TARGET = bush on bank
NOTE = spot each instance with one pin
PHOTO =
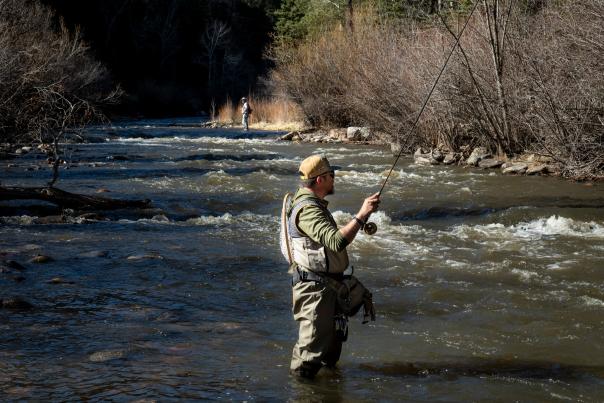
(522, 80)
(49, 82)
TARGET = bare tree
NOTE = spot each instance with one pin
(214, 37)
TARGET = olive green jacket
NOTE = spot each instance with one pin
(318, 224)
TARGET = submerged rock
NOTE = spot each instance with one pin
(41, 259)
(95, 253)
(59, 280)
(15, 265)
(102, 356)
(148, 256)
(15, 303)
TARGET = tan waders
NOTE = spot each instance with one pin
(314, 307)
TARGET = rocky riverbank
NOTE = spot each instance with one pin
(478, 157)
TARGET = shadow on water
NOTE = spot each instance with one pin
(229, 157)
(492, 368)
(438, 212)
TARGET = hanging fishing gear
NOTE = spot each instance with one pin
(370, 228)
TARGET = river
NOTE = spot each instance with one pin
(487, 287)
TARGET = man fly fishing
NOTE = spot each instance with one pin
(318, 257)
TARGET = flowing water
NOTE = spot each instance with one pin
(488, 288)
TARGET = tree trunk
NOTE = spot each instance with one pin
(65, 199)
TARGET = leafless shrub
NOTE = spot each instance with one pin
(49, 83)
(521, 80)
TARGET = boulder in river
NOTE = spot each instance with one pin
(537, 169)
(95, 253)
(59, 280)
(41, 259)
(15, 303)
(354, 133)
(102, 356)
(478, 154)
(15, 265)
(488, 163)
(514, 168)
(451, 158)
(148, 256)
(420, 157)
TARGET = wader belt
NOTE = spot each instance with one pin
(303, 275)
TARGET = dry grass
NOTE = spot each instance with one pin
(267, 114)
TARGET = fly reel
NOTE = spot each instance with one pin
(370, 228)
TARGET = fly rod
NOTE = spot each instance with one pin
(370, 228)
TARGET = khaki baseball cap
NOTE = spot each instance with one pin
(315, 165)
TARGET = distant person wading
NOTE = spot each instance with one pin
(246, 110)
(318, 257)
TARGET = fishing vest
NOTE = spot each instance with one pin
(308, 254)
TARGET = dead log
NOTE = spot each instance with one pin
(65, 199)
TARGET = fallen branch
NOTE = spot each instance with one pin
(69, 200)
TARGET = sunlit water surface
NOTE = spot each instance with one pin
(488, 288)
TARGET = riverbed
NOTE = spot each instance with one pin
(487, 287)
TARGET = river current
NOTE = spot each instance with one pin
(487, 287)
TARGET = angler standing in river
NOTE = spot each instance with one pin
(319, 256)
(246, 110)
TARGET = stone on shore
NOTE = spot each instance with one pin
(490, 163)
(451, 158)
(354, 133)
(419, 157)
(289, 136)
(478, 154)
(514, 168)
(537, 170)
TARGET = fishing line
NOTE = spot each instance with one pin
(371, 228)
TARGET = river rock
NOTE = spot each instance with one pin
(102, 356)
(91, 216)
(419, 157)
(59, 280)
(490, 163)
(41, 259)
(478, 154)
(354, 133)
(51, 219)
(514, 168)
(288, 136)
(148, 256)
(451, 158)
(118, 158)
(396, 148)
(15, 303)
(15, 265)
(95, 253)
(438, 156)
(338, 134)
(537, 170)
